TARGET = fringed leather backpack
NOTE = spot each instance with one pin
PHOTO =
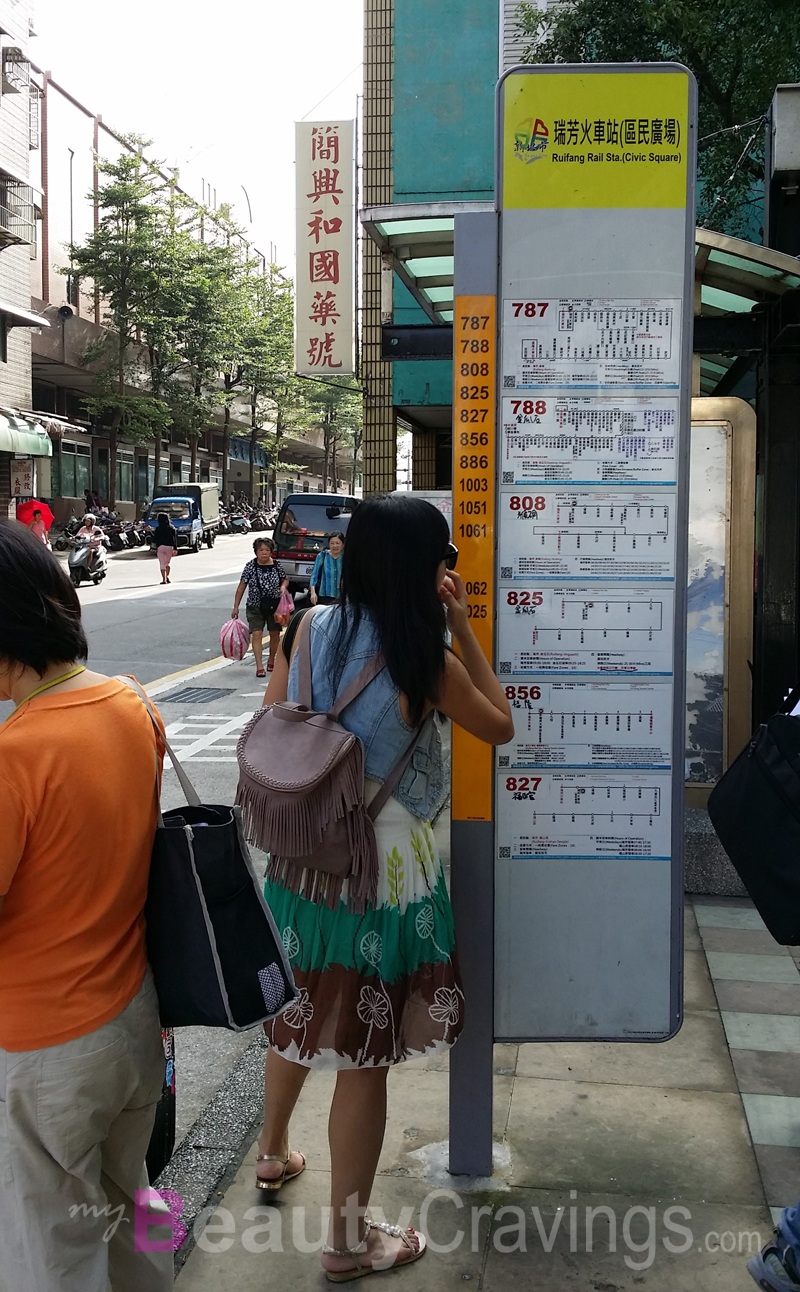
(301, 791)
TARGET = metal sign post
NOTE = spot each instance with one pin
(595, 190)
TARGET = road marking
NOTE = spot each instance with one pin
(207, 739)
(167, 682)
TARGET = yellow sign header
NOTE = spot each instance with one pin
(602, 139)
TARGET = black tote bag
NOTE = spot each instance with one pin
(755, 810)
(216, 955)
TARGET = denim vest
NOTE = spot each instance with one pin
(374, 716)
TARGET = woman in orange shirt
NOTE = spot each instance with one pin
(81, 1061)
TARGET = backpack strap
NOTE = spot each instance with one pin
(362, 680)
(393, 779)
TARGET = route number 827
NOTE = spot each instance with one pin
(523, 786)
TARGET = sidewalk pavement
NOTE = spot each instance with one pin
(679, 1149)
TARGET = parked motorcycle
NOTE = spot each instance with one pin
(78, 562)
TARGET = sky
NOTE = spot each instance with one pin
(216, 87)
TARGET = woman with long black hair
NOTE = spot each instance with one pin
(382, 986)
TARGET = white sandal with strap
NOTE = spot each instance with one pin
(361, 1271)
(279, 1180)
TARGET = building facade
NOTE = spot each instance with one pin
(24, 444)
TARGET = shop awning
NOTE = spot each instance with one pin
(21, 318)
(24, 439)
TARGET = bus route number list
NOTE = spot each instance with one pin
(587, 516)
(474, 455)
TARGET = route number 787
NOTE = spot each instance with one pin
(529, 309)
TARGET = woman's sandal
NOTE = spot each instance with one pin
(279, 1180)
(261, 672)
(361, 1271)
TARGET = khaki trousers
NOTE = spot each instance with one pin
(75, 1123)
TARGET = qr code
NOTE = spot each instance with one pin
(508, 477)
(505, 666)
(506, 571)
(509, 382)
(505, 852)
(503, 762)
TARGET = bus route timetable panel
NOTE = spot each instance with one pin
(588, 724)
(573, 535)
(570, 629)
(589, 344)
(589, 814)
(588, 439)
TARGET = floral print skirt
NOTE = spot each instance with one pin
(376, 988)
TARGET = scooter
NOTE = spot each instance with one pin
(78, 562)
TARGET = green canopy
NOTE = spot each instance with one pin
(24, 439)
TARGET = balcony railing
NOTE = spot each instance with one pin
(17, 214)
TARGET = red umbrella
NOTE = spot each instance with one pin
(25, 512)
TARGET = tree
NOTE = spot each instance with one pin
(269, 365)
(119, 257)
(739, 50)
(336, 408)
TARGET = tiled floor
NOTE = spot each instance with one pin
(757, 984)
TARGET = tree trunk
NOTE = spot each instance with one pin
(276, 460)
(226, 441)
(156, 463)
(326, 445)
(193, 459)
(112, 461)
(253, 437)
(334, 476)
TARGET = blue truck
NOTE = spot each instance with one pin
(193, 510)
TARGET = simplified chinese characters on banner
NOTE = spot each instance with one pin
(324, 308)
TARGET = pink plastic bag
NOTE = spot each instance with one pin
(285, 609)
(234, 639)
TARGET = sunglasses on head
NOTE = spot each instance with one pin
(450, 556)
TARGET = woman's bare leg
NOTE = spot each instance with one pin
(283, 1082)
(256, 639)
(355, 1132)
(274, 643)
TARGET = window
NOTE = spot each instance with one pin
(143, 478)
(124, 477)
(175, 471)
(75, 472)
(55, 467)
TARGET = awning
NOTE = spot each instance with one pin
(20, 178)
(21, 318)
(24, 439)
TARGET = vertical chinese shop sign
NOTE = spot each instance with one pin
(324, 296)
(474, 345)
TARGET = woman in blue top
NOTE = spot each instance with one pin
(328, 572)
(383, 986)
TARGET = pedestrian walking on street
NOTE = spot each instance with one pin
(166, 544)
(381, 986)
(265, 580)
(38, 528)
(81, 1058)
(327, 573)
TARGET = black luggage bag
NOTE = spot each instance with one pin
(755, 810)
